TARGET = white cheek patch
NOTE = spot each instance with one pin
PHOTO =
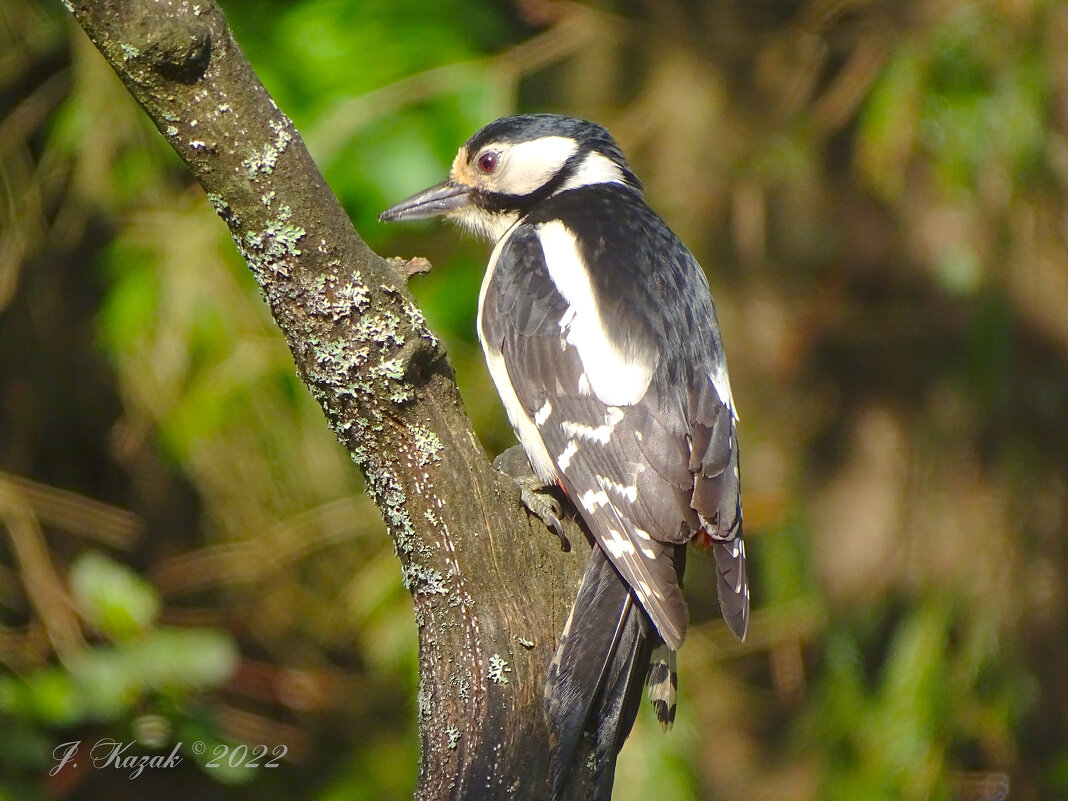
(615, 377)
(528, 166)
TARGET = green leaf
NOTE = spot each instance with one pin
(182, 659)
(54, 699)
(112, 597)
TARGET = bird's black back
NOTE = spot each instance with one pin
(648, 284)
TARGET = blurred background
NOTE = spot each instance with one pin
(877, 192)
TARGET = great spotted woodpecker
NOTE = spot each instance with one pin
(601, 337)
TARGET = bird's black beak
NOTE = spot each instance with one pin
(433, 202)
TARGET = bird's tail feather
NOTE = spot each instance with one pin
(597, 675)
(732, 585)
(663, 685)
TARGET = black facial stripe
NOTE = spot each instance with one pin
(565, 172)
(499, 202)
(503, 202)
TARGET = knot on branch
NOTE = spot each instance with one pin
(180, 51)
(407, 268)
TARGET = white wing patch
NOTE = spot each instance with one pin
(584, 385)
(618, 545)
(627, 493)
(564, 459)
(601, 433)
(543, 413)
(615, 377)
(591, 501)
(621, 546)
(565, 323)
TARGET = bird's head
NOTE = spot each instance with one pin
(514, 163)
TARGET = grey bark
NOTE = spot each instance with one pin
(491, 587)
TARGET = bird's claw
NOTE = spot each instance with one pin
(543, 505)
(514, 464)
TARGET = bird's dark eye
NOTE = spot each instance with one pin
(487, 162)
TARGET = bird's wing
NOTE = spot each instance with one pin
(619, 437)
(717, 494)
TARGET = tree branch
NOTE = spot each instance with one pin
(491, 589)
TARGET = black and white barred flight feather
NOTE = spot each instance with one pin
(601, 337)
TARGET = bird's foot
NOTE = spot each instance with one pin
(533, 491)
(545, 506)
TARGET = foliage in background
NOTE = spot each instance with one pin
(877, 191)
